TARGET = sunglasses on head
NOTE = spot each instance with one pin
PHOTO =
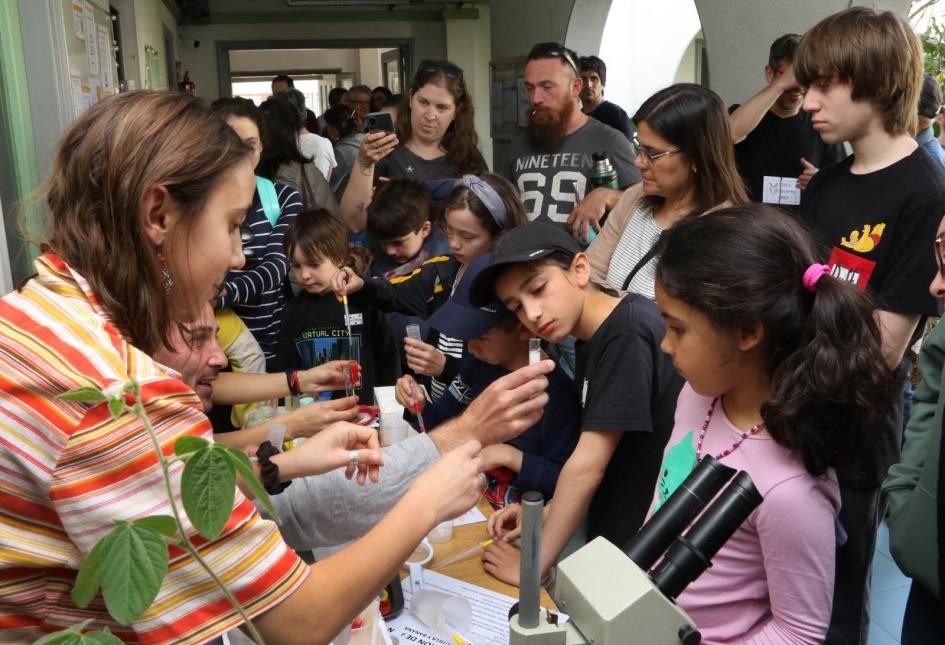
(433, 66)
(553, 50)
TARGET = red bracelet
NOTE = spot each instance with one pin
(292, 378)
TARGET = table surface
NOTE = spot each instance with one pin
(470, 570)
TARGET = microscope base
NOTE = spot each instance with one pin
(544, 634)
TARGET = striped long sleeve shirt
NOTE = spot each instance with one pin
(68, 471)
(257, 291)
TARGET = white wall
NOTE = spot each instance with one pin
(643, 43)
(739, 34)
(283, 60)
(370, 67)
(468, 44)
(150, 18)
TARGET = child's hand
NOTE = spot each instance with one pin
(505, 524)
(311, 419)
(424, 358)
(346, 281)
(375, 146)
(503, 561)
(333, 448)
(405, 391)
(327, 377)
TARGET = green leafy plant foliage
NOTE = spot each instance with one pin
(74, 636)
(129, 563)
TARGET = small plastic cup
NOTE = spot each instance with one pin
(450, 616)
(442, 532)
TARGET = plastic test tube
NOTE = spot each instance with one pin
(416, 406)
(534, 350)
(413, 331)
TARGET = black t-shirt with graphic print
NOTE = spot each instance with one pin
(627, 384)
(878, 228)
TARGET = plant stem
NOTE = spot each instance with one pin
(138, 411)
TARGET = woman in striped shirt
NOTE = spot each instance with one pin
(147, 195)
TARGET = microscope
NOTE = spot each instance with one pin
(625, 596)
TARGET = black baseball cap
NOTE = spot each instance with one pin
(527, 243)
(459, 318)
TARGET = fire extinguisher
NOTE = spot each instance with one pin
(187, 86)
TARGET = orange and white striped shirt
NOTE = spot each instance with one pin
(68, 470)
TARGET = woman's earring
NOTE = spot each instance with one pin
(166, 279)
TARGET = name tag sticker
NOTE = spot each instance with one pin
(772, 190)
(790, 193)
(355, 319)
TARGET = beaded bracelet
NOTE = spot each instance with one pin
(269, 470)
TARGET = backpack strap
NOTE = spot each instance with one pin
(268, 199)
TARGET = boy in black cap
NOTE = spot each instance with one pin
(498, 344)
(626, 384)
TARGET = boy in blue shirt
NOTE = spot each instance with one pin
(498, 344)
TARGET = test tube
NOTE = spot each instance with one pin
(416, 406)
(413, 331)
(534, 350)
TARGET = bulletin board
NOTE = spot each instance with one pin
(508, 101)
(93, 68)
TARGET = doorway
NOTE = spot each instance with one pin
(247, 68)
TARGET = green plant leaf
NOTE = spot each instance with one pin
(89, 580)
(245, 469)
(163, 524)
(134, 567)
(208, 487)
(116, 406)
(189, 443)
(82, 394)
(104, 637)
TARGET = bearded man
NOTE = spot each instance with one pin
(551, 161)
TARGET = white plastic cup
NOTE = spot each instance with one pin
(442, 532)
(445, 613)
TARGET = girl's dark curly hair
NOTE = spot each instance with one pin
(830, 383)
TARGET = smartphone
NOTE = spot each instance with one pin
(379, 122)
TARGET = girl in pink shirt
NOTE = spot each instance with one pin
(784, 366)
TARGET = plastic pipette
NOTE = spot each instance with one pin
(462, 555)
(416, 406)
(349, 377)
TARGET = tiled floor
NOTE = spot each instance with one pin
(889, 592)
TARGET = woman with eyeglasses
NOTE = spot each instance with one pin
(684, 153)
(435, 139)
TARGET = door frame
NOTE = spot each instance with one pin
(224, 47)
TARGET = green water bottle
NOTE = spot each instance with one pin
(602, 174)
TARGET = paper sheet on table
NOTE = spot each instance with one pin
(490, 612)
(472, 516)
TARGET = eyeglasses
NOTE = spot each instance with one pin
(433, 66)
(553, 50)
(939, 250)
(645, 155)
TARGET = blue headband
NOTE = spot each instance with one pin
(488, 196)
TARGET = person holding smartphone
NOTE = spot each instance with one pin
(434, 138)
